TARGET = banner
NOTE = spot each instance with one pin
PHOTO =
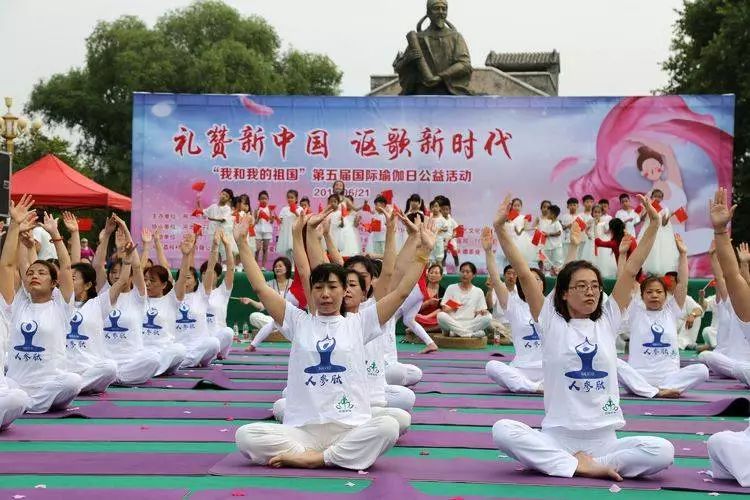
(473, 150)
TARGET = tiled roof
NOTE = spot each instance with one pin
(529, 61)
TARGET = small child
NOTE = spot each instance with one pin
(627, 214)
(220, 216)
(441, 232)
(304, 203)
(566, 221)
(376, 243)
(263, 228)
(287, 216)
(451, 243)
(553, 247)
(241, 208)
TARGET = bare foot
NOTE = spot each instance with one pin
(308, 459)
(668, 393)
(250, 348)
(588, 467)
(429, 348)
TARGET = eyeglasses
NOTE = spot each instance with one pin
(585, 287)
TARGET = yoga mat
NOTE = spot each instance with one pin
(108, 410)
(120, 464)
(177, 395)
(121, 433)
(89, 493)
(218, 380)
(442, 417)
(729, 407)
(443, 354)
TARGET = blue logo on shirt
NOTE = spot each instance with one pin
(75, 323)
(325, 348)
(151, 315)
(586, 351)
(28, 330)
(534, 334)
(114, 318)
(657, 331)
(184, 310)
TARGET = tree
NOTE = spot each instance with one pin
(29, 148)
(207, 47)
(709, 55)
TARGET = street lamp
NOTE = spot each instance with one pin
(12, 126)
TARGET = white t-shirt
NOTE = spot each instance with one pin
(498, 314)
(549, 227)
(46, 247)
(191, 323)
(581, 391)
(566, 220)
(375, 359)
(36, 347)
(84, 342)
(654, 352)
(442, 223)
(159, 321)
(527, 338)
(123, 324)
(471, 301)
(218, 302)
(327, 377)
(3, 346)
(735, 344)
(216, 211)
(378, 236)
(630, 218)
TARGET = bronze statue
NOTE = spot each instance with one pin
(437, 59)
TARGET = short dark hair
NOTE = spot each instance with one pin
(507, 268)
(287, 264)
(435, 265)
(88, 273)
(162, 274)
(554, 210)
(263, 192)
(571, 201)
(243, 198)
(624, 196)
(323, 272)
(334, 197)
(471, 265)
(603, 201)
(443, 201)
(545, 201)
(360, 279)
(372, 269)
(217, 268)
(381, 199)
(519, 286)
(563, 283)
(653, 279)
(195, 276)
(294, 192)
(304, 199)
(231, 195)
(587, 197)
(654, 191)
(50, 268)
(674, 275)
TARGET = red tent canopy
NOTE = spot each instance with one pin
(52, 183)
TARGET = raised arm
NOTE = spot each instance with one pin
(737, 288)
(385, 282)
(534, 296)
(680, 290)
(147, 241)
(333, 251)
(314, 250)
(623, 290)
(65, 272)
(388, 305)
(209, 278)
(161, 258)
(721, 284)
(576, 237)
(275, 304)
(71, 224)
(301, 264)
(186, 248)
(622, 257)
(131, 255)
(743, 253)
(102, 249)
(501, 291)
(226, 240)
(21, 218)
(125, 271)
(26, 252)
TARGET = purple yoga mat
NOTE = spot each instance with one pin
(218, 380)
(178, 395)
(443, 354)
(120, 464)
(89, 493)
(443, 417)
(109, 410)
(121, 433)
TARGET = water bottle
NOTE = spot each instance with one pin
(245, 332)
(496, 339)
(236, 333)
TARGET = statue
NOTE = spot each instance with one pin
(436, 61)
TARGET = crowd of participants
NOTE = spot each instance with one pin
(78, 323)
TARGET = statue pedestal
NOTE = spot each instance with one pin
(446, 342)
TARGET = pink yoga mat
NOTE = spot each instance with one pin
(89, 493)
(121, 433)
(109, 410)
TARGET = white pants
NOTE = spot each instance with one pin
(98, 377)
(259, 320)
(224, 335)
(55, 393)
(354, 448)
(729, 452)
(726, 366)
(515, 379)
(398, 396)
(265, 331)
(687, 336)
(138, 369)
(681, 380)
(201, 352)
(13, 402)
(409, 310)
(464, 327)
(402, 374)
(550, 451)
(170, 358)
(710, 334)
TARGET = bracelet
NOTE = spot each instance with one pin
(422, 259)
(55, 240)
(725, 231)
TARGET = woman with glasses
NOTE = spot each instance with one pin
(581, 394)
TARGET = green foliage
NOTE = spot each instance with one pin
(207, 47)
(709, 55)
(31, 147)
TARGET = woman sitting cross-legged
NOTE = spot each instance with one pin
(327, 420)
(581, 394)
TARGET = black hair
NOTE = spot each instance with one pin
(519, 200)
(554, 210)
(360, 279)
(378, 264)
(571, 201)
(603, 200)
(587, 197)
(519, 286)
(116, 262)
(443, 201)
(653, 279)
(54, 262)
(231, 195)
(506, 268)
(381, 199)
(549, 203)
(414, 216)
(88, 273)
(334, 197)
(50, 268)
(323, 272)
(162, 274)
(624, 196)
(304, 199)
(287, 264)
(563, 283)
(368, 264)
(654, 191)
(617, 228)
(264, 192)
(471, 266)
(217, 268)
(243, 198)
(436, 265)
(294, 192)
(415, 198)
(673, 275)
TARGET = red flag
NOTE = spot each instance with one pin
(375, 226)
(527, 217)
(251, 231)
(539, 238)
(197, 230)
(459, 232)
(293, 207)
(263, 215)
(198, 212)
(639, 209)
(198, 186)
(681, 214)
(667, 281)
(344, 210)
(320, 208)
(656, 205)
(581, 224)
(365, 227)
(366, 208)
(542, 256)
(513, 214)
(388, 195)
(452, 304)
(272, 207)
(85, 223)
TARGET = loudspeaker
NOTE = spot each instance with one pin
(5, 162)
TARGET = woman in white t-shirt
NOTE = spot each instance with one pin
(191, 325)
(581, 394)
(728, 450)
(37, 314)
(13, 401)
(328, 420)
(159, 320)
(653, 367)
(218, 296)
(524, 373)
(282, 285)
(464, 310)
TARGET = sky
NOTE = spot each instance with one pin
(607, 47)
